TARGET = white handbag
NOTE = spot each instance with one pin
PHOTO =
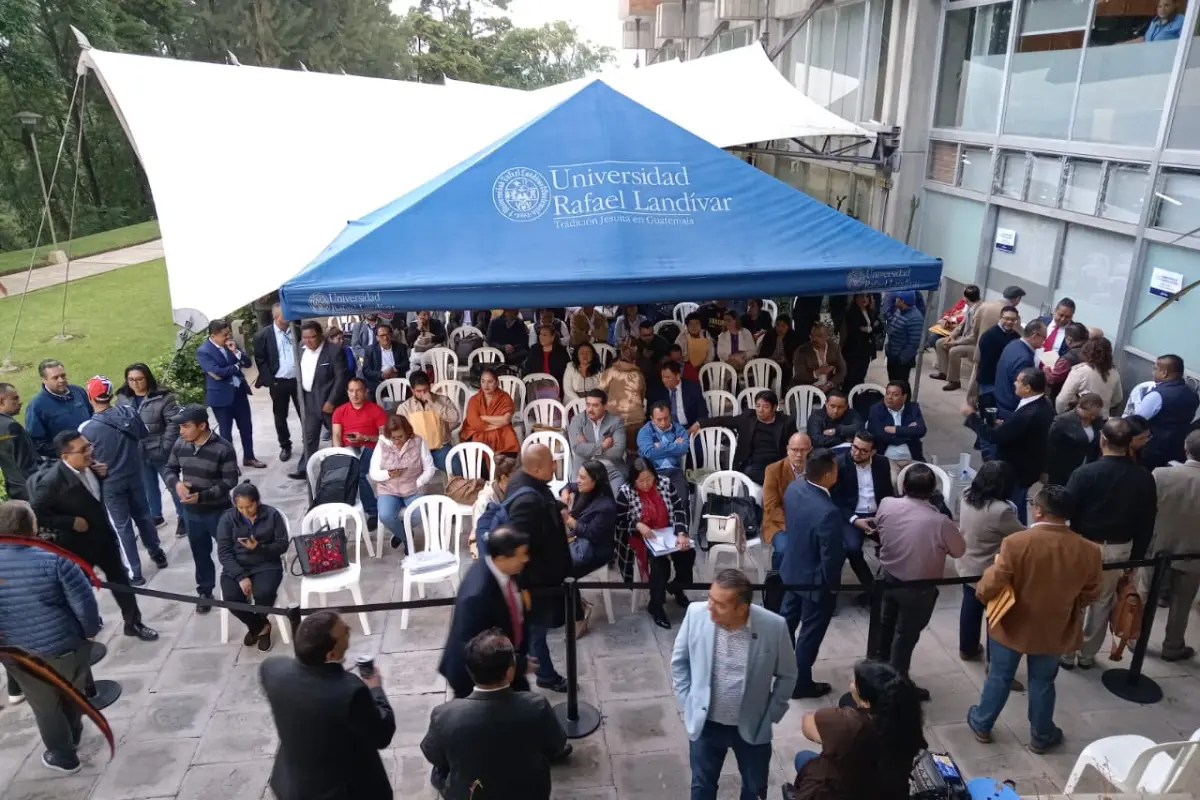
(725, 530)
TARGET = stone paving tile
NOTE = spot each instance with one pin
(175, 715)
(74, 787)
(237, 736)
(243, 690)
(244, 781)
(146, 770)
(187, 668)
(412, 716)
(642, 726)
(411, 673)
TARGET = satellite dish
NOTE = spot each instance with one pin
(190, 322)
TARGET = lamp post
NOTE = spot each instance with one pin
(29, 122)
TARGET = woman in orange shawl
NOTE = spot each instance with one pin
(489, 416)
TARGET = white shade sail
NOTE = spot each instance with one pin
(254, 171)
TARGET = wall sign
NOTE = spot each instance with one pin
(1006, 239)
(1164, 283)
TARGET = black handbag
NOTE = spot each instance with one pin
(744, 508)
(320, 552)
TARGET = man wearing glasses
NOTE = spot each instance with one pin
(864, 480)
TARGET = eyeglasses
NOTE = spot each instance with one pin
(855, 448)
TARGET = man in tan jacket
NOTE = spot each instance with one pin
(1175, 532)
(1052, 573)
(588, 325)
(776, 480)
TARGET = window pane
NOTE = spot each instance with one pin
(792, 59)
(1182, 215)
(974, 43)
(1044, 66)
(1033, 256)
(942, 162)
(1012, 175)
(847, 76)
(1043, 180)
(950, 230)
(1095, 274)
(1083, 186)
(1177, 328)
(976, 169)
(820, 65)
(1127, 187)
(1185, 127)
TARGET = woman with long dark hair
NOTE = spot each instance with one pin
(985, 518)
(867, 750)
(591, 518)
(582, 374)
(156, 405)
(1094, 374)
(858, 339)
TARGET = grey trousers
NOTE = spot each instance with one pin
(1184, 586)
(1095, 618)
(58, 722)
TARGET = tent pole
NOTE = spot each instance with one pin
(930, 308)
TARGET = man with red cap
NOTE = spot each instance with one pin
(116, 433)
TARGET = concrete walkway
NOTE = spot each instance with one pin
(41, 277)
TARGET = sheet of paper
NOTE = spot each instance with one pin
(1048, 359)
(662, 542)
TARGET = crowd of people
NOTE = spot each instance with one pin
(1109, 482)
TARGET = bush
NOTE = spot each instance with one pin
(180, 372)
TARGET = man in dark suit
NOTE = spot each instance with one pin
(1020, 440)
(536, 514)
(1056, 323)
(323, 386)
(1017, 355)
(496, 740)
(685, 398)
(275, 357)
(226, 390)
(898, 427)
(762, 435)
(991, 344)
(489, 598)
(836, 423)
(813, 556)
(66, 499)
(383, 360)
(331, 724)
(864, 480)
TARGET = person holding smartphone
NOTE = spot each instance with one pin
(357, 424)
(251, 540)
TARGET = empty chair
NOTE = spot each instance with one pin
(711, 449)
(718, 375)
(471, 460)
(313, 470)
(337, 515)
(560, 449)
(679, 314)
(720, 403)
(606, 353)
(485, 355)
(444, 362)
(544, 414)
(1134, 763)
(462, 332)
(516, 390)
(731, 484)
(439, 560)
(763, 372)
(392, 392)
(801, 401)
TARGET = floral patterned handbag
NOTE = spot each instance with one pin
(321, 551)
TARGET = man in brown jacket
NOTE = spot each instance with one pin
(819, 363)
(1175, 532)
(777, 479)
(1053, 574)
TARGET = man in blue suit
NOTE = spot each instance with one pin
(684, 398)
(898, 427)
(814, 555)
(864, 480)
(226, 390)
(1018, 354)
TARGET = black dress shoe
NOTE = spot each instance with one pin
(372, 523)
(158, 522)
(298, 475)
(556, 684)
(249, 639)
(659, 616)
(681, 597)
(922, 694)
(204, 608)
(180, 530)
(159, 559)
(253, 462)
(562, 755)
(285, 454)
(138, 581)
(814, 689)
(140, 631)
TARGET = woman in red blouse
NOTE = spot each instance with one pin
(646, 505)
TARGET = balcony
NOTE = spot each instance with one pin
(741, 10)
(644, 9)
(637, 34)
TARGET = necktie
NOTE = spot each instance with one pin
(674, 414)
(1049, 346)
(515, 613)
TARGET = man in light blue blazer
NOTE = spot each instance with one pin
(733, 670)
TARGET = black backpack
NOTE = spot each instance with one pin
(337, 482)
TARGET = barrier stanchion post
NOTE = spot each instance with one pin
(578, 719)
(1130, 684)
(875, 595)
(294, 619)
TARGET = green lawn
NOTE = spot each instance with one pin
(18, 260)
(117, 318)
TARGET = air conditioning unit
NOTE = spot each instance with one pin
(784, 9)
(740, 10)
(670, 23)
(638, 34)
(628, 9)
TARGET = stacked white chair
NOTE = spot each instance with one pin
(440, 560)
(336, 515)
(731, 484)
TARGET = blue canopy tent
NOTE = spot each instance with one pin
(600, 201)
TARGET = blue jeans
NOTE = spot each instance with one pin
(707, 755)
(439, 457)
(130, 515)
(201, 527)
(391, 514)
(1019, 499)
(803, 757)
(540, 649)
(365, 493)
(1001, 670)
(970, 619)
(150, 479)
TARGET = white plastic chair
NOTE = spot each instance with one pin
(945, 485)
(720, 403)
(731, 484)
(560, 449)
(444, 362)
(396, 390)
(763, 372)
(864, 387)
(801, 401)
(1135, 764)
(485, 355)
(545, 413)
(475, 460)
(281, 598)
(718, 375)
(662, 323)
(681, 310)
(337, 515)
(576, 406)
(462, 332)
(540, 376)
(716, 445)
(772, 308)
(458, 393)
(606, 353)
(516, 390)
(313, 470)
(601, 576)
(747, 397)
(442, 525)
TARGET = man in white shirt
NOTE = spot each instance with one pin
(323, 383)
(1064, 315)
(864, 480)
(275, 357)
